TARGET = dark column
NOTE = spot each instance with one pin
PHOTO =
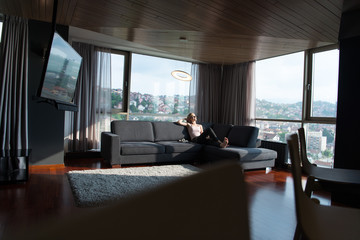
(46, 123)
(347, 120)
(347, 124)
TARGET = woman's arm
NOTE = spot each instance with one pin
(182, 122)
(201, 128)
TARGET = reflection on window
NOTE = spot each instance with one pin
(325, 71)
(320, 143)
(154, 93)
(279, 88)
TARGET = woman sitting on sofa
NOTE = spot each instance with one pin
(198, 135)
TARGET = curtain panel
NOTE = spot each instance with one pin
(207, 81)
(83, 128)
(14, 84)
(224, 94)
(238, 94)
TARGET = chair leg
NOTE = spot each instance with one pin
(297, 235)
(310, 186)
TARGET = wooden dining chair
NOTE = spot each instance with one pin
(317, 221)
(330, 179)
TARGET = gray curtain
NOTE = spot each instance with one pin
(238, 94)
(224, 94)
(207, 82)
(14, 84)
(83, 128)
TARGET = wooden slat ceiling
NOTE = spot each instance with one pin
(216, 31)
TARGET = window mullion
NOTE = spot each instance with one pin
(307, 96)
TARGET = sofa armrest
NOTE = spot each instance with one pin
(243, 136)
(281, 149)
(258, 142)
(110, 147)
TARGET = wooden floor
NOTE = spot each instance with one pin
(47, 193)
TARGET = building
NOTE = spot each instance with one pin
(316, 142)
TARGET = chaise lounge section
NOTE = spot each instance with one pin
(143, 142)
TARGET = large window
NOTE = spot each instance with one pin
(279, 84)
(154, 93)
(118, 85)
(287, 99)
(323, 83)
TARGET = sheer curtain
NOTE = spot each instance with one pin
(238, 94)
(193, 87)
(14, 84)
(83, 128)
(225, 94)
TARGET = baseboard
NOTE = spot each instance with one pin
(87, 154)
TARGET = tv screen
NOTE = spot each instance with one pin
(61, 72)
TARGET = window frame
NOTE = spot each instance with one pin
(308, 87)
(126, 82)
(307, 91)
(306, 118)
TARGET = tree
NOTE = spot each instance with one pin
(175, 111)
(282, 137)
(327, 153)
(329, 136)
(115, 99)
(133, 109)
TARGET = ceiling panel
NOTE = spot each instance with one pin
(216, 31)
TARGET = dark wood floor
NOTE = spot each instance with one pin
(47, 193)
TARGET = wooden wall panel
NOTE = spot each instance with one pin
(217, 31)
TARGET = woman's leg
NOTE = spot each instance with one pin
(209, 137)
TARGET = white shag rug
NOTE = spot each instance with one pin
(101, 186)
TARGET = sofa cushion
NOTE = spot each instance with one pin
(141, 148)
(133, 131)
(241, 153)
(169, 131)
(243, 136)
(222, 130)
(179, 147)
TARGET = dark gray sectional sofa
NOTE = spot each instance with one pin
(142, 142)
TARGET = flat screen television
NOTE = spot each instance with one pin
(60, 75)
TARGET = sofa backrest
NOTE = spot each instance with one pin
(133, 131)
(243, 136)
(136, 131)
(169, 131)
(222, 130)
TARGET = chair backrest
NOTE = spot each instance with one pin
(304, 161)
(302, 202)
(293, 144)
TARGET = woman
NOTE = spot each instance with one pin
(198, 135)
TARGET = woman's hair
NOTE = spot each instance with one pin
(188, 118)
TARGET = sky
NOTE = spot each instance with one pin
(280, 79)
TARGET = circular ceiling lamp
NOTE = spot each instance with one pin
(181, 75)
